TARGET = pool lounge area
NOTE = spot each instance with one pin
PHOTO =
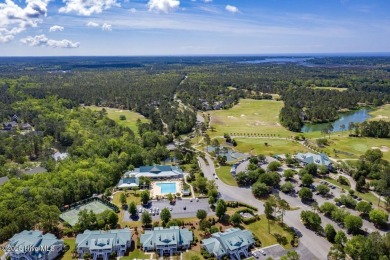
(165, 187)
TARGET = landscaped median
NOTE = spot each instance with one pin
(223, 173)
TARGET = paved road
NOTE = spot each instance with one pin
(317, 245)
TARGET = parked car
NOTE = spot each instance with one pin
(262, 252)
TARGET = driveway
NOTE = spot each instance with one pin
(318, 246)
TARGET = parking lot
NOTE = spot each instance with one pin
(184, 208)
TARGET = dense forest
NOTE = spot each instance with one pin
(100, 151)
(155, 87)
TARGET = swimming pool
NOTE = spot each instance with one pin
(167, 187)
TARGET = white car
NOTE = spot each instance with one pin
(216, 177)
(262, 252)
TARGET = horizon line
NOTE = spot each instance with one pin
(214, 55)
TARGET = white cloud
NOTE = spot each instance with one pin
(232, 9)
(132, 10)
(207, 1)
(106, 27)
(87, 7)
(56, 28)
(92, 24)
(164, 6)
(42, 40)
(15, 19)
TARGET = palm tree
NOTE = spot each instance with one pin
(283, 206)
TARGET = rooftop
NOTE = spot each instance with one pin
(166, 236)
(99, 239)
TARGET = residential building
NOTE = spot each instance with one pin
(33, 245)
(319, 159)
(10, 125)
(25, 126)
(35, 170)
(166, 240)
(3, 180)
(60, 156)
(156, 172)
(103, 243)
(233, 243)
(128, 181)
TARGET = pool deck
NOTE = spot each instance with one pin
(156, 190)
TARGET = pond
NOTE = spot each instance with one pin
(357, 116)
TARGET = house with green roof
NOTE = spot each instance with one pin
(103, 243)
(34, 245)
(233, 243)
(166, 240)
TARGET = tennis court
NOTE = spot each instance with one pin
(71, 216)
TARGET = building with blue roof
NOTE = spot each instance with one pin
(166, 240)
(319, 159)
(233, 243)
(158, 172)
(102, 243)
(34, 245)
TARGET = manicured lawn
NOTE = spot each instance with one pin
(354, 147)
(223, 173)
(132, 196)
(71, 242)
(191, 253)
(260, 230)
(1, 252)
(136, 254)
(131, 117)
(249, 116)
(370, 198)
(382, 113)
(331, 88)
(274, 146)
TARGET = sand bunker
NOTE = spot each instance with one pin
(256, 123)
(381, 117)
(383, 148)
(232, 117)
(242, 115)
(120, 111)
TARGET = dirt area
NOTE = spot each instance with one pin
(383, 148)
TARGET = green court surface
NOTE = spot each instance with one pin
(71, 216)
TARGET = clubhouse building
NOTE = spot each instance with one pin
(233, 243)
(159, 172)
(103, 243)
(166, 240)
(33, 245)
(319, 159)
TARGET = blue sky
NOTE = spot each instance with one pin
(189, 27)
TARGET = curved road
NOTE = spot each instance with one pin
(316, 244)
